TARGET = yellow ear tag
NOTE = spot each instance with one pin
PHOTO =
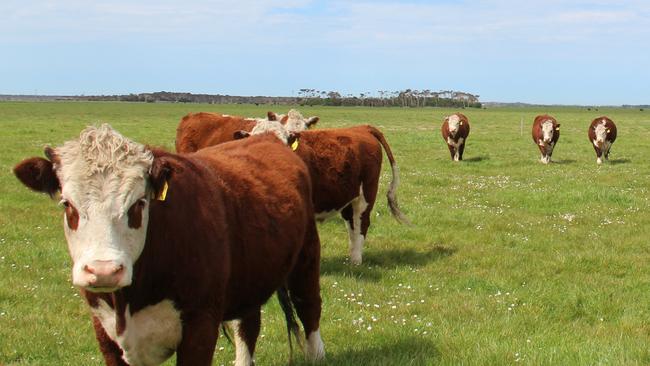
(608, 131)
(294, 145)
(557, 128)
(461, 123)
(163, 194)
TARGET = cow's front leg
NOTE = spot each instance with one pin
(200, 332)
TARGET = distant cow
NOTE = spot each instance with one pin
(198, 130)
(165, 247)
(455, 130)
(602, 134)
(546, 132)
(345, 165)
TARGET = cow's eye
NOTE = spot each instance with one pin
(135, 213)
(71, 214)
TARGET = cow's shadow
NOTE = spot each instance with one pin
(476, 159)
(375, 261)
(564, 161)
(408, 350)
(619, 161)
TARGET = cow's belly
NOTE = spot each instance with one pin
(151, 335)
(324, 214)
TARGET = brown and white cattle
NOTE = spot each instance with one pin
(197, 130)
(546, 132)
(165, 247)
(602, 134)
(345, 166)
(455, 130)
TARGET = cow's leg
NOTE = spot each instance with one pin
(200, 332)
(111, 351)
(549, 152)
(245, 331)
(304, 290)
(608, 146)
(452, 150)
(461, 149)
(353, 215)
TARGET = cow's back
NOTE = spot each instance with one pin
(199, 130)
(338, 161)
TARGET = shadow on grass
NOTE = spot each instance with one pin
(408, 351)
(564, 161)
(476, 159)
(375, 261)
(619, 161)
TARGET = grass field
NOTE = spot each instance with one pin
(509, 261)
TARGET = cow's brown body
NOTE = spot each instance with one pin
(345, 166)
(456, 139)
(237, 223)
(602, 146)
(545, 145)
(197, 130)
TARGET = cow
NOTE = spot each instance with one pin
(166, 247)
(546, 132)
(455, 129)
(345, 165)
(197, 130)
(602, 134)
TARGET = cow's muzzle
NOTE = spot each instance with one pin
(103, 276)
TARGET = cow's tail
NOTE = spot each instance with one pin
(290, 317)
(391, 195)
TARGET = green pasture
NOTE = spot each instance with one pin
(509, 261)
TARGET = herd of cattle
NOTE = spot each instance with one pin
(546, 132)
(167, 247)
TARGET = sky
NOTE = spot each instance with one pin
(589, 52)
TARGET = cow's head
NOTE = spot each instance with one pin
(293, 121)
(453, 123)
(601, 132)
(104, 180)
(274, 127)
(548, 129)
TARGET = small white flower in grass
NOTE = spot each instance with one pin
(528, 341)
(369, 328)
(221, 348)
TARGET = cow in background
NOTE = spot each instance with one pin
(345, 166)
(546, 132)
(165, 247)
(199, 130)
(602, 134)
(455, 130)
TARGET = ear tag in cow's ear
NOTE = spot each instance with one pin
(557, 128)
(461, 123)
(608, 131)
(294, 145)
(163, 194)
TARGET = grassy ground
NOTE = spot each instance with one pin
(510, 261)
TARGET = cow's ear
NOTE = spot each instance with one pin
(159, 175)
(237, 135)
(38, 174)
(271, 116)
(311, 122)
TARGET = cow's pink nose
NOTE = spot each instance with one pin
(103, 273)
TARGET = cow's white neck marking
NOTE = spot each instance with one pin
(315, 348)
(151, 335)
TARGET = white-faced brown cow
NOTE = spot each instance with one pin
(165, 247)
(202, 129)
(546, 132)
(602, 134)
(455, 130)
(345, 165)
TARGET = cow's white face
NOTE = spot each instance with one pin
(454, 124)
(601, 133)
(277, 128)
(103, 178)
(295, 122)
(547, 131)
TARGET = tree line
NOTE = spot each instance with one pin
(382, 98)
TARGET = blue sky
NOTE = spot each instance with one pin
(568, 52)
